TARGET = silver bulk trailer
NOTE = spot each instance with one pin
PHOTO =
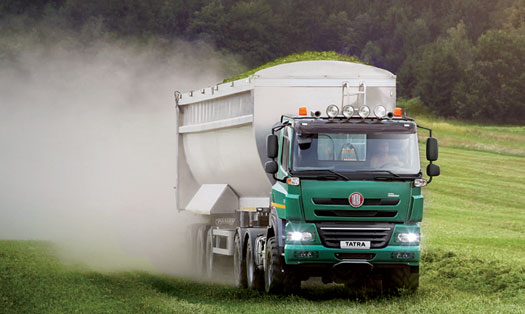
(222, 133)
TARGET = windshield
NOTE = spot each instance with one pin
(365, 152)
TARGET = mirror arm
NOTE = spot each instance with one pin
(279, 126)
(428, 129)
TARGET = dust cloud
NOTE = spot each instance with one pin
(87, 149)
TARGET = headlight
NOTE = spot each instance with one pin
(380, 111)
(409, 237)
(332, 111)
(364, 111)
(299, 236)
(348, 111)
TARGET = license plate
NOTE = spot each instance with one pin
(355, 245)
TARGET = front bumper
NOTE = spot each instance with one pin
(297, 254)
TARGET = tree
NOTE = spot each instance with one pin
(438, 73)
(494, 87)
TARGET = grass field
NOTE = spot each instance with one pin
(473, 252)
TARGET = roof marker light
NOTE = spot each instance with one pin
(398, 112)
(303, 111)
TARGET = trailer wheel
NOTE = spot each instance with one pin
(402, 278)
(239, 264)
(254, 277)
(209, 254)
(273, 274)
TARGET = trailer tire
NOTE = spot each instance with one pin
(254, 277)
(273, 271)
(402, 278)
(239, 263)
(209, 254)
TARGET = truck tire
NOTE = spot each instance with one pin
(254, 277)
(209, 254)
(239, 264)
(402, 278)
(273, 274)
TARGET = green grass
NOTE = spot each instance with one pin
(508, 140)
(473, 252)
(302, 56)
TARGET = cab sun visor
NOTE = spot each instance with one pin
(304, 141)
(304, 129)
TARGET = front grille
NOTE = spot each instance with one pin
(333, 233)
(367, 201)
(355, 213)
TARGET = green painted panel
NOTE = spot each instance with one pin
(287, 201)
(416, 214)
(369, 189)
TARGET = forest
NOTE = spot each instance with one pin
(458, 58)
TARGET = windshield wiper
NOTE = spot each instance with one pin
(342, 176)
(395, 175)
(375, 171)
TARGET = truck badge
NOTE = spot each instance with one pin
(356, 199)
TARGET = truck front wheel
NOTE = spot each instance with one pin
(239, 263)
(273, 274)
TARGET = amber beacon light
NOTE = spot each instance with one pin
(398, 112)
(303, 111)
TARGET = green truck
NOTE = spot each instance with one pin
(306, 169)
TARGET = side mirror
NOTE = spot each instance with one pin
(432, 149)
(270, 167)
(272, 146)
(433, 170)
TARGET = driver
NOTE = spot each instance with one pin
(326, 152)
(383, 157)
